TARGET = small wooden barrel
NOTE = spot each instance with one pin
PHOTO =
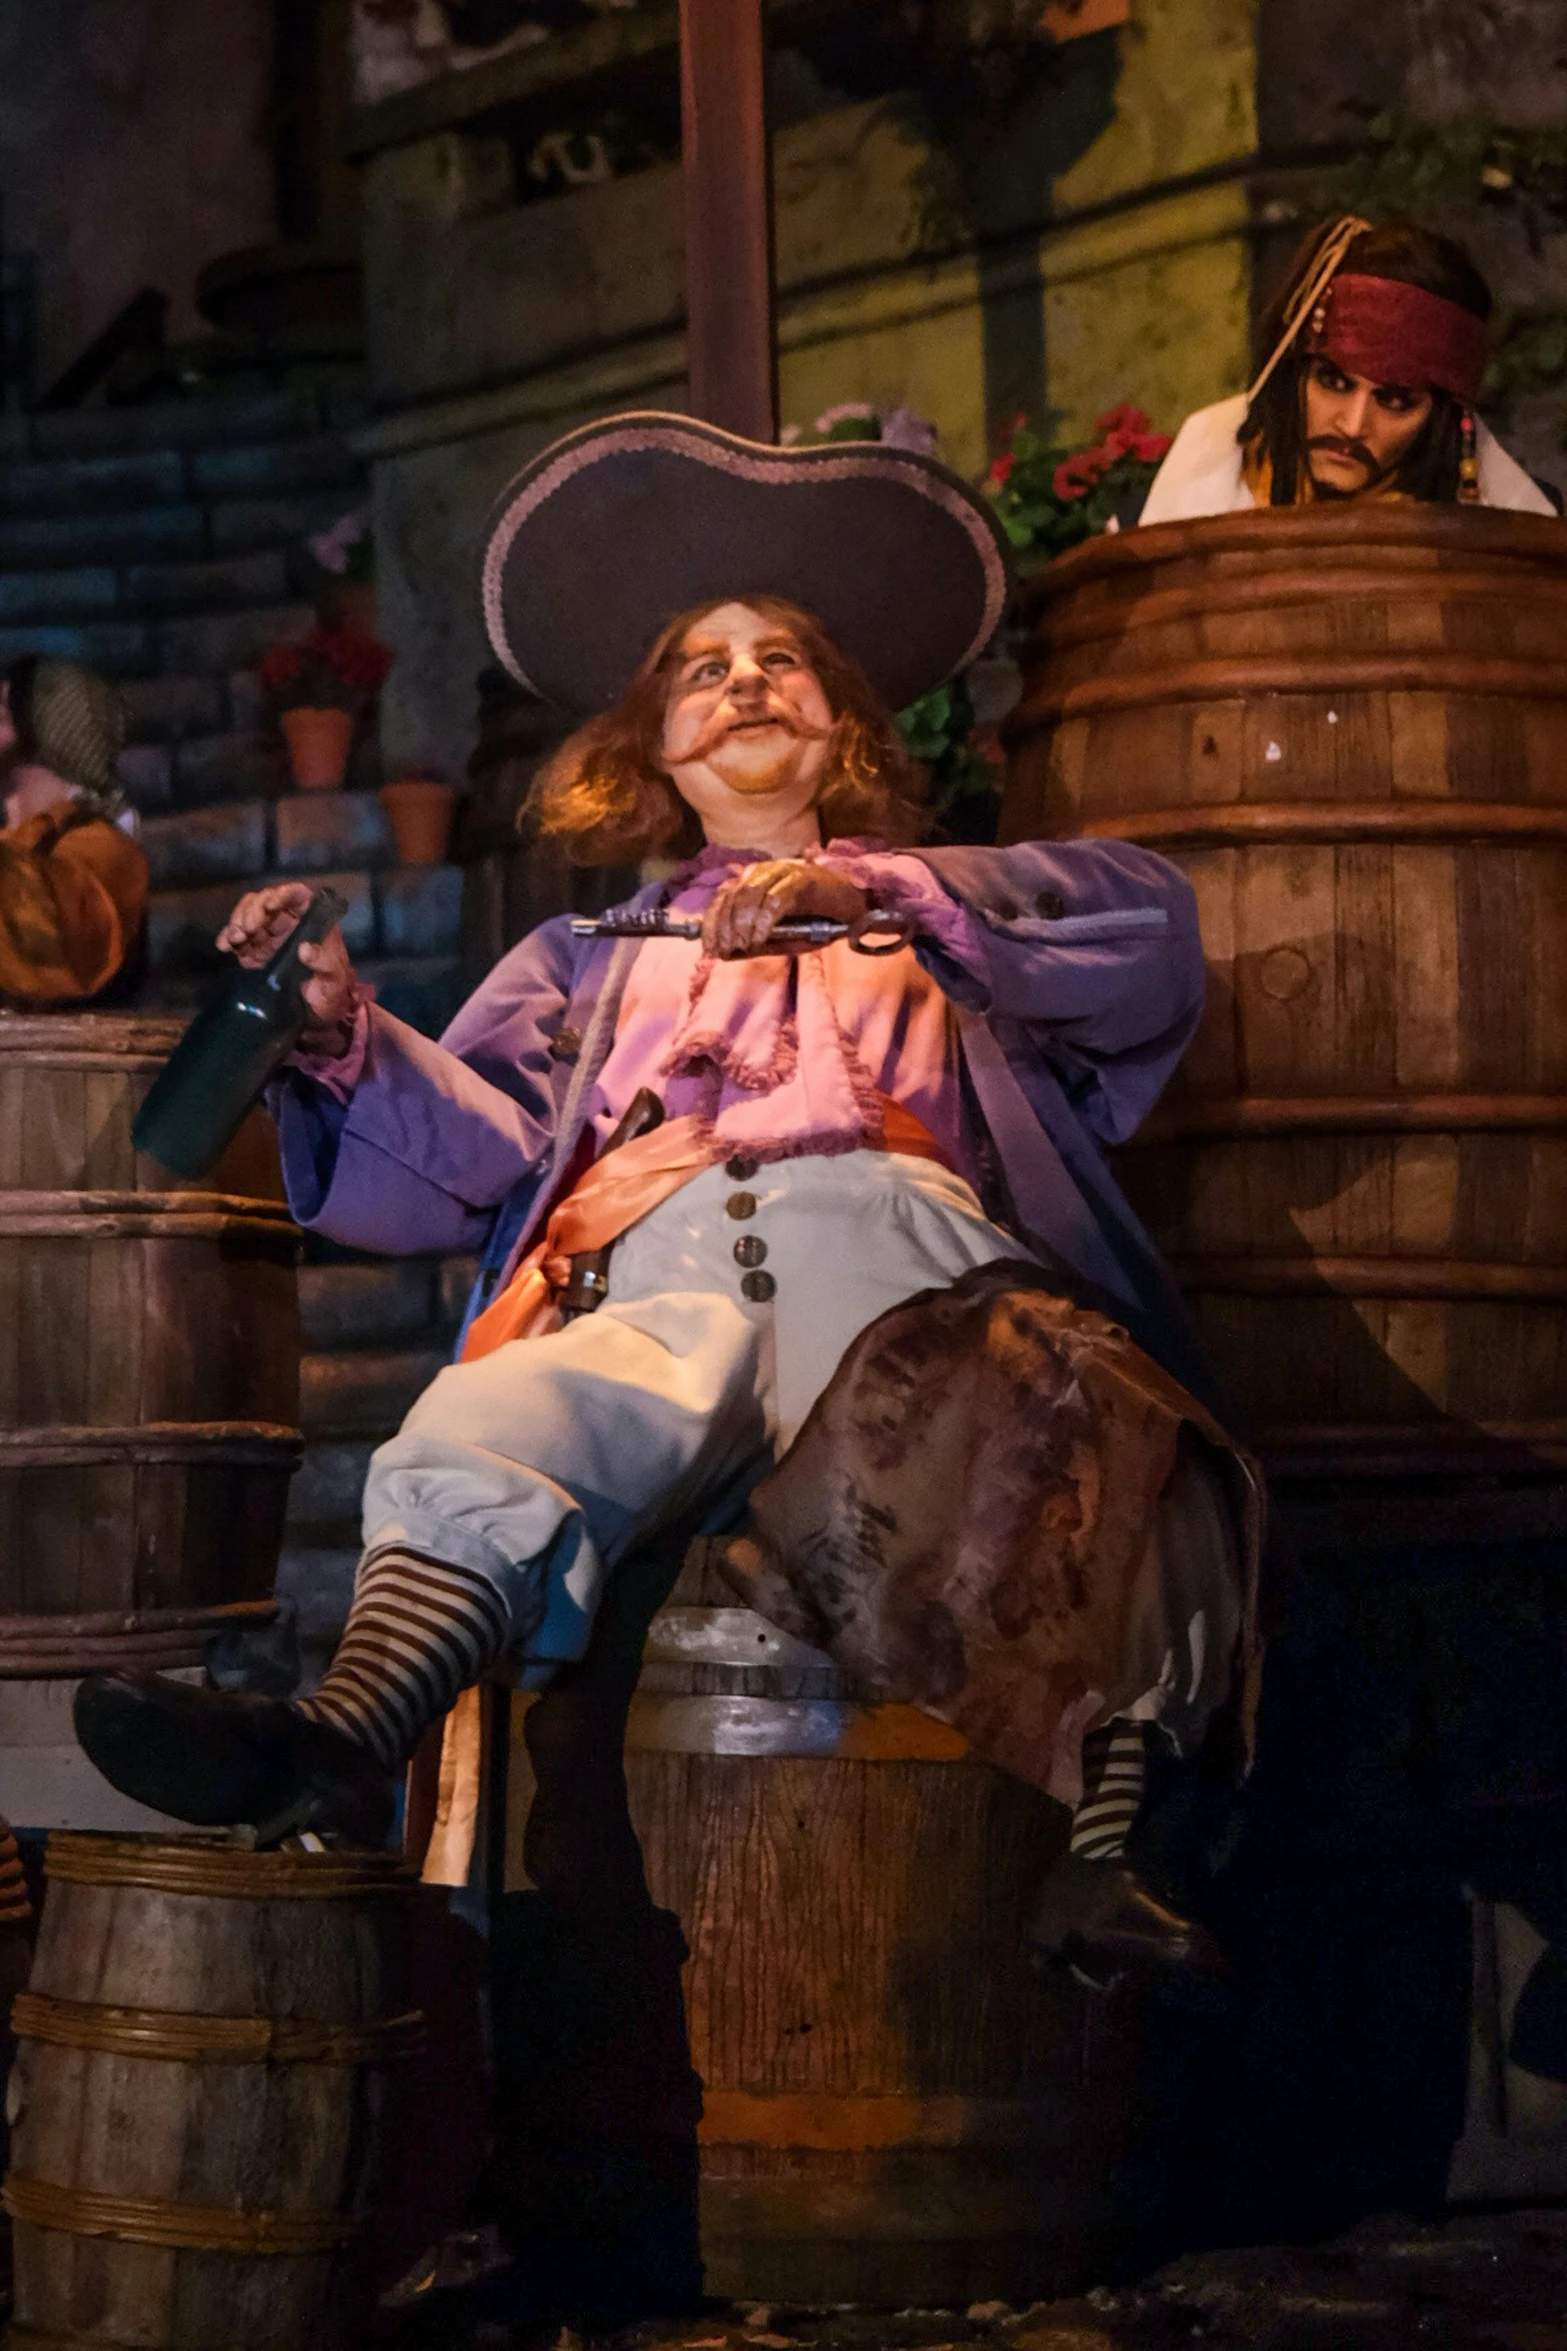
(897, 2108)
(197, 2093)
(149, 1362)
(1351, 730)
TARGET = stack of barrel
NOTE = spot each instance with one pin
(1350, 728)
(149, 1384)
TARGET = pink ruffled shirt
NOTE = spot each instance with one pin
(786, 1056)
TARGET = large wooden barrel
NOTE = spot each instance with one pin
(1351, 730)
(149, 1362)
(197, 2095)
(896, 2107)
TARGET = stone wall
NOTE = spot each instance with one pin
(1103, 259)
(134, 147)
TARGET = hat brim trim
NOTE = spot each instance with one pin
(742, 461)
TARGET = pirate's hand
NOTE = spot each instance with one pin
(741, 919)
(255, 931)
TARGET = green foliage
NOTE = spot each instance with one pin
(1049, 497)
(965, 772)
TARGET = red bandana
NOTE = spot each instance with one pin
(1397, 334)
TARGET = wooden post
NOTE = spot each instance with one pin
(731, 343)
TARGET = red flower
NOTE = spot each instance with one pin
(1150, 448)
(1076, 475)
(281, 667)
(985, 743)
(1125, 419)
(1001, 468)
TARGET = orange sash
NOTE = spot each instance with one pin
(617, 1192)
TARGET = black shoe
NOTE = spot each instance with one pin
(219, 1757)
(1099, 1920)
(466, 2281)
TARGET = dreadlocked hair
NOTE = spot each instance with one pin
(1414, 256)
(606, 798)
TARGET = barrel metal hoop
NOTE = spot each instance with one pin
(259, 1444)
(150, 2220)
(187, 2039)
(768, 2118)
(1112, 619)
(828, 1728)
(1447, 1278)
(202, 1866)
(1232, 1116)
(1332, 824)
(46, 1647)
(1438, 672)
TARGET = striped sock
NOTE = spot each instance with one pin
(1113, 1765)
(419, 1631)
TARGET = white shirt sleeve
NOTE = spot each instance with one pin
(1202, 472)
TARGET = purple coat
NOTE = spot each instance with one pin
(1088, 989)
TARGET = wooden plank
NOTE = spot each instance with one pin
(731, 336)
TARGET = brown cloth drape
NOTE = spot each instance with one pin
(1003, 1511)
(73, 898)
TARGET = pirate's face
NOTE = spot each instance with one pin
(1357, 432)
(747, 721)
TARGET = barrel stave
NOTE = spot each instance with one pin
(1351, 730)
(896, 2105)
(149, 1343)
(197, 2143)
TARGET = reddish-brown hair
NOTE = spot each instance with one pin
(606, 799)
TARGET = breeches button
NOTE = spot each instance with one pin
(750, 1251)
(740, 1205)
(740, 1171)
(758, 1287)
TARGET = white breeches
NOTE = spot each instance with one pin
(542, 1464)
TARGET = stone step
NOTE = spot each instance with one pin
(364, 1393)
(425, 991)
(146, 591)
(173, 477)
(213, 645)
(329, 1483)
(264, 468)
(375, 1302)
(239, 525)
(225, 842)
(77, 485)
(118, 648)
(318, 1580)
(169, 709)
(408, 912)
(165, 534)
(297, 833)
(242, 763)
(211, 421)
(141, 534)
(224, 641)
(182, 924)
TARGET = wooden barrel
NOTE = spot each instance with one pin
(196, 2096)
(1351, 730)
(149, 1362)
(896, 2107)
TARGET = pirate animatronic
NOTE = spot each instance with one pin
(1372, 359)
(843, 1131)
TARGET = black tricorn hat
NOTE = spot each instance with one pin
(621, 525)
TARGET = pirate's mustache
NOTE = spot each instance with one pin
(1336, 446)
(770, 713)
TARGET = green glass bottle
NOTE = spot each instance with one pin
(217, 1072)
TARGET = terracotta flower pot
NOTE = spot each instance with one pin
(419, 810)
(318, 741)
